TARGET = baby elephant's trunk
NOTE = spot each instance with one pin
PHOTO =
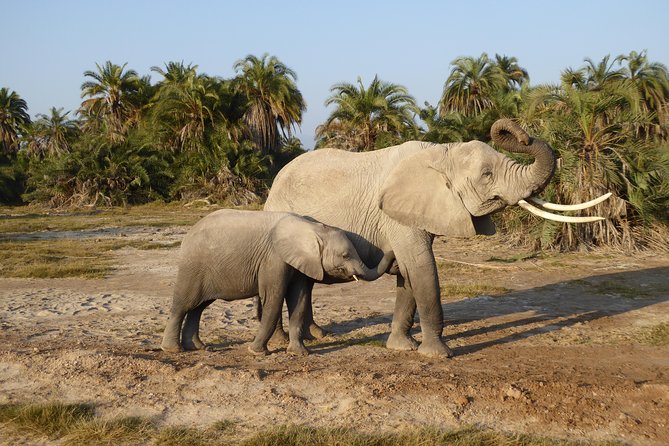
(370, 274)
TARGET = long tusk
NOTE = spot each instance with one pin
(569, 207)
(356, 278)
(563, 218)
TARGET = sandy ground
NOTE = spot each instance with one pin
(561, 354)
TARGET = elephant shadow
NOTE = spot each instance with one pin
(475, 324)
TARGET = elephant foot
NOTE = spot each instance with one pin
(258, 351)
(401, 341)
(297, 349)
(435, 349)
(279, 337)
(195, 344)
(171, 347)
(315, 332)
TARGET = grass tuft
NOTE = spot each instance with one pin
(657, 335)
(187, 436)
(127, 430)
(49, 419)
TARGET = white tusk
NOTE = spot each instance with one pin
(356, 279)
(563, 218)
(569, 207)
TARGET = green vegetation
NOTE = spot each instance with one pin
(193, 137)
(77, 424)
(368, 118)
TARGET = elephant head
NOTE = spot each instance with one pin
(316, 249)
(452, 189)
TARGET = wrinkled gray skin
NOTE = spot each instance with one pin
(233, 254)
(398, 198)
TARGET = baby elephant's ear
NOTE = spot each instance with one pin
(298, 244)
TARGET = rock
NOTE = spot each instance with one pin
(463, 400)
(514, 392)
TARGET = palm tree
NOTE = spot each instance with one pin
(598, 75)
(515, 75)
(184, 112)
(52, 135)
(14, 118)
(175, 73)
(274, 104)
(594, 132)
(442, 128)
(651, 80)
(473, 84)
(109, 96)
(365, 116)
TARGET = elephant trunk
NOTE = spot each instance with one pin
(510, 136)
(370, 274)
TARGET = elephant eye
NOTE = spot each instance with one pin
(487, 174)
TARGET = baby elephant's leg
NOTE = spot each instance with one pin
(297, 299)
(173, 329)
(186, 297)
(273, 301)
(190, 336)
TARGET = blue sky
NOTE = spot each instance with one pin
(47, 45)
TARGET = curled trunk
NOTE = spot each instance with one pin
(510, 136)
(374, 273)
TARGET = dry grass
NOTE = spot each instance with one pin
(657, 335)
(75, 424)
(127, 430)
(459, 290)
(618, 288)
(88, 258)
(420, 436)
(25, 219)
(48, 419)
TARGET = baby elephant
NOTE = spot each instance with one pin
(232, 254)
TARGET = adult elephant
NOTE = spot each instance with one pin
(398, 198)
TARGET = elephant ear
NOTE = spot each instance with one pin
(419, 193)
(298, 244)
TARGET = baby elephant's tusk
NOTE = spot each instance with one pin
(355, 277)
(569, 207)
(563, 218)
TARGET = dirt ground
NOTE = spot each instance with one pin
(564, 353)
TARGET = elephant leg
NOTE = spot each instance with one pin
(272, 299)
(403, 317)
(296, 300)
(312, 330)
(425, 286)
(279, 336)
(190, 335)
(173, 329)
(420, 285)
